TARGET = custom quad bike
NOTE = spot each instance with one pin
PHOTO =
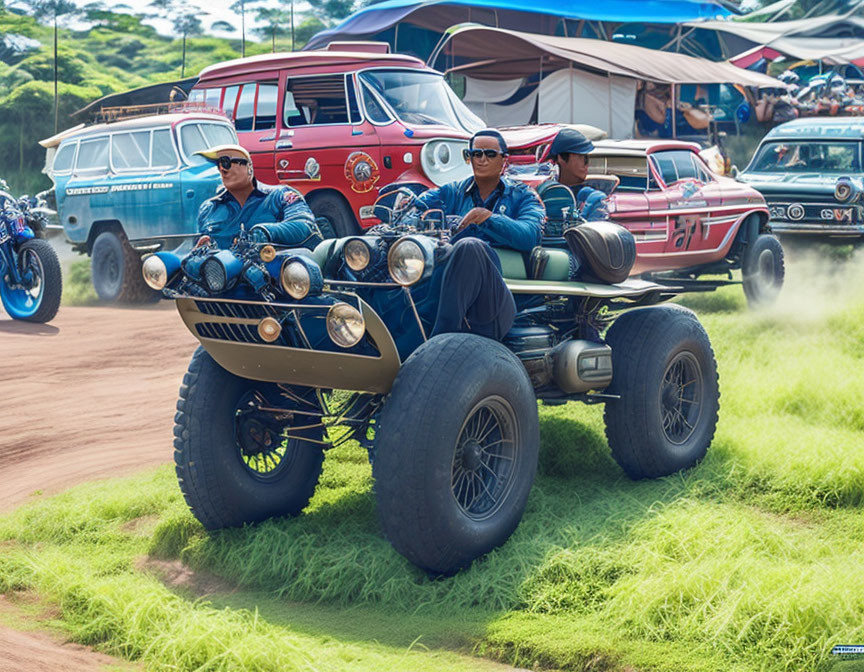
(301, 351)
(31, 283)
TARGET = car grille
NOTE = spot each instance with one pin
(248, 311)
(822, 213)
(238, 333)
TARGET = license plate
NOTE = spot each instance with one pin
(839, 215)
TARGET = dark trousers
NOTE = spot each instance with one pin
(473, 296)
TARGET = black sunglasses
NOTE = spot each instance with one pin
(477, 153)
(225, 162)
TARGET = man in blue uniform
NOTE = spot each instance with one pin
(495, 211)
(270, 214)
(569, 150)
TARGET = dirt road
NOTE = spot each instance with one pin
(87, 396)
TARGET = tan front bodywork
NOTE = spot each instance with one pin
(299, 366)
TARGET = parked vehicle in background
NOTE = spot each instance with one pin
(810, 173)
(133, 186)
(338, 124)
(31, 283)
(688, 221)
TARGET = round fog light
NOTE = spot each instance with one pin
(269, 329)
(356, 254)
(267, 253)
(295, 280)
(406, 262)
(154, 272)
(345, 324)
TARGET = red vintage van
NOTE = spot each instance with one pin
(341, 123)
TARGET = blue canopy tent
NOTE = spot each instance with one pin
(415, 27)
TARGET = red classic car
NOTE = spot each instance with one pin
(340, 123)
(688, 222)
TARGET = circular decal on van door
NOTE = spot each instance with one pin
(361, 172)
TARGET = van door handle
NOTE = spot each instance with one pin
(190, 193)
(284, 144)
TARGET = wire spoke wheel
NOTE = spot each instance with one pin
(484, 459)
(681, 397)
(261, 443)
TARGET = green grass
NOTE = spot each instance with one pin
(750, 561)
(77, 286)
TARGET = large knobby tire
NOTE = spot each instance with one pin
(116, 270)
(664, 371)
(225, 482)
(40, 302)
(456, 451)
(335, 213)
(763, 270)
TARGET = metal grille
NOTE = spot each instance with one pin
(248, 311)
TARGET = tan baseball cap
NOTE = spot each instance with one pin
(219, 150)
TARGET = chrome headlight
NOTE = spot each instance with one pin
(295, 279)
(406, 262)
(155, 272)
(357, 254)
(345, 324)
(847, 190)
(213, 275)
(442, 161)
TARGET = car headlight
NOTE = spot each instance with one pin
(357, 254)
(295, 279)
(155, 272)
(442, 161)
(406, 262)
(847, 190)
(213, 275)
(345, 324)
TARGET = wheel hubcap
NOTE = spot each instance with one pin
(484, 460)
(681, 398)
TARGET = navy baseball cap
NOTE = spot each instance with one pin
(570, 141)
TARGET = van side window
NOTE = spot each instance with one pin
(265, 112)
(130, 151)
(212, 97)
(353, 107)
(93, 156)
(230, 100)
(244, 113)
(63, 158)
(163, 155)
(313, 101)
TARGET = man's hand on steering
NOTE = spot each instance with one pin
(474, 216)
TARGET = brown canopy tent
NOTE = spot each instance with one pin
(490, 54)
(519, 54)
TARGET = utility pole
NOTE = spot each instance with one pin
(56, 98)
(292, 25)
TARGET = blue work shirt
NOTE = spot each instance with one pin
(591, 203)
(279, 211)
(517, 212)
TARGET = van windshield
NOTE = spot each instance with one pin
(806, 157)
(422, 98)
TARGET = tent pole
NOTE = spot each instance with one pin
(674, 113)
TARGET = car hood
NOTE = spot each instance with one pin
(801, 183)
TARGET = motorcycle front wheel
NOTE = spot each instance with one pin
(39, 299)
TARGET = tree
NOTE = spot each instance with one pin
(52, 10)
(239, 7)
(277, 21)
(332, 9)
(185, 20)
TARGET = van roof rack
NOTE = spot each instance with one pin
(119, 113)
(365, 47)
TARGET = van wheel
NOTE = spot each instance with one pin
(116, 270)
(336, 214)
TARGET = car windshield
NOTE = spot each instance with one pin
(806, 157)
(422, 98)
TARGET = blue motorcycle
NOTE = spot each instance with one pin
(31, 283)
